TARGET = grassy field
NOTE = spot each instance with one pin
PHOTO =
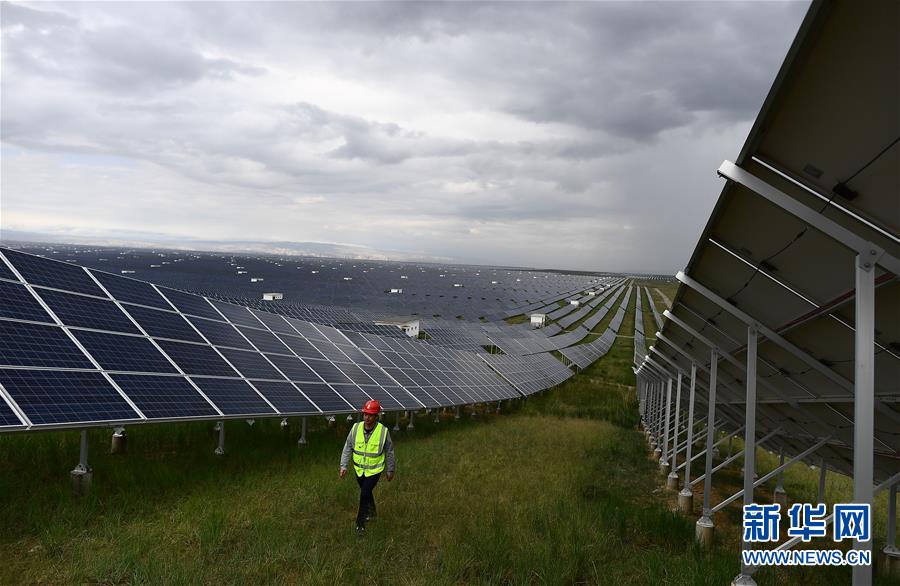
(557, 489)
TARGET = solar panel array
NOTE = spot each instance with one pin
(640, 346)
(795, 277)
(583, 355)
(656, 317)
(80, 346)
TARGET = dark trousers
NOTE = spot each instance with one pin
(366, 497)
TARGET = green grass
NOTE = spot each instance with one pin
(557, 489)
(517, 319)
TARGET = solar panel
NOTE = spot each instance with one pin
(220, 333)
(48, 396)
(58, 275)
(239, 316)
(251, 364)
(124, 353)
(6, 272)
(87, 312)
(130, 290)
(164, 397)
(233, 396)
(285, 396)
(328, 371)
(276, 323)
(265, 341)
(24, 344)
(352, 394)
(8, 418)
(294, 368)
(323, 396)
(163, 324)
(191, 304)
(19, 303)
(196, 358)
(301, 347)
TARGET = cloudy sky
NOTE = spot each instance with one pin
(563, 135)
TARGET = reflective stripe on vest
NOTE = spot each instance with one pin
(368, 456)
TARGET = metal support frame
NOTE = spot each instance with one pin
(410, 426)
(734, 457)
(664, 461)
(686, 496)
(81, 474)
(397, 421)
(777, 471)
(719, 442)
(672, 479)
(705, 525)
(220, 449)
(119, 441)
(746, 577)
(780, 494)
(302, 440)
(823, 470)
(457, 416)
(890, 547)
(864, 404)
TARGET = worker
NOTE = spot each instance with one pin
(373, 453)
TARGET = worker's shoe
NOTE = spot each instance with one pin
(360, 531)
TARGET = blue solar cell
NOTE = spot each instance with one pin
(251, 364)
(377, 375)
(356, 374)
(406, 399)
(294, 368)
(233, 396)
(24, 344)
(330, 351)
(401, 377)
(197, 359)
(324, 397)
(6, 273)
(163, 397)
(332, 334)
(265, 341)
(192, 304)
(124, 353)
(308, 330)
(87, 312)
(355, 354)
(51, 273)
(328, 371)
(131, 290)
(19, 303)
(301, 347)
(48, 396)
(285, 397)
(220, 333)
(163, 324)
(237, 315)
(274, 322)
(388, 402)
(353, 395)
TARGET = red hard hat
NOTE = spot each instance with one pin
(373, 407)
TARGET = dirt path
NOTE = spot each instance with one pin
(663, 295)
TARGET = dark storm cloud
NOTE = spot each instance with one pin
(527, 128)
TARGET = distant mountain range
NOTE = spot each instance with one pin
(153, 240)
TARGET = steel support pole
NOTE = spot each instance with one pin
(686, 496)
(705, 526)
(780, 494)
(823, 470)
(664, 461)
(746, 577)
(81, 474)
(397, 421)
(672, 479)
(220, 449)
(457, 416)
(891, 542)
(411, 425)
(302, 440)
(864, 395)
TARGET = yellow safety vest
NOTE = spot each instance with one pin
(368, 457)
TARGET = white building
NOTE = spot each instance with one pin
(538, 320)
(410, 325)
(272, 296)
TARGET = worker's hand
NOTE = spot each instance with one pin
(343, 472)
(390, 476)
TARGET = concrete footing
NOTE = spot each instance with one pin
(889, 562)
(781, 498)
(705, 532)
(657, 453)
(81, 480)
(411, 425)
(664, 468)
(672, 481)
(686, 501)
(743, 580)
(119, 444)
